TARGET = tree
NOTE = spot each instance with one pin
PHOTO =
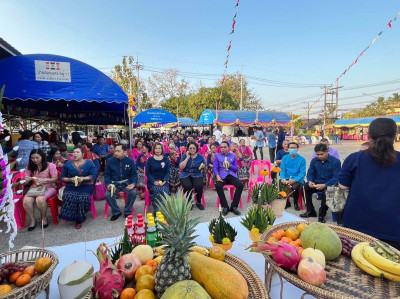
(380, 107)
(166, 85)
(232, 85)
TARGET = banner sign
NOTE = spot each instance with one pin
(52, 71)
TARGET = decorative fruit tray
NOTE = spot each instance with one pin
(343, 278)
(256, 286)
(38, 282)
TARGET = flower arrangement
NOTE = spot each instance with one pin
(221, 232)
(258, 219)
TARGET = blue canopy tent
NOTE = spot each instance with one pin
(363, 121)
(51, 86)
(154, 118)
(243, 118)
(186, 122)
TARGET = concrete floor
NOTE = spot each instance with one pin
(93, 229)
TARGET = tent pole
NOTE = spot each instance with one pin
(61, 130)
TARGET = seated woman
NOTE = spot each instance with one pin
(93, 157)
(141, 163)
(246, 153)
(137, 150)
(79, 176)
(174, 174)
(242, 173)
(56, 158)
(157, 171)
(207, 147)
(192, 165)
(210, 161)
(39, 173)
(63, 150)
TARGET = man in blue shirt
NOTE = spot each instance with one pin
(323, 172)
(259, 137)
(271, 145)
(101, 149)
(293, 170)
(332, 151)
(120, 175)
(203, 140)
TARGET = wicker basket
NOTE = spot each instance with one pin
(38, 282)
(256, 287)
(343, 278)
(278, 205)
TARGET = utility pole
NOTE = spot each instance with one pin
(325, 92)
(308, 113)
(241, 89)
(138, 84)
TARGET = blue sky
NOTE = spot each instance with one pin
(307, 42)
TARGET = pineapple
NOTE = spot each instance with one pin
(178, 238)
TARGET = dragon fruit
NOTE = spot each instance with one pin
(109, 281)
(284, 254)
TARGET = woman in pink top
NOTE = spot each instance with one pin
(137, 150)
(40, 173)
(207, 147)
(246, 153)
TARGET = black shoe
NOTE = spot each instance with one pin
(225, 211)
(296, 207)
(308, 214)
(31, 228)
(200, 206)
(115, 217)
(288, 204)
(235, 211)
(47, 224)
(321, 219)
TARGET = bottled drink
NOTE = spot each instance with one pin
(140, 234)
(159, 233)
(151, 234)
(130, 225)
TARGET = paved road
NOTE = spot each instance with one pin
(65, 233)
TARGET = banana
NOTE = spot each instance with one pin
(379, 261)
(112, 191)
(226, 163)
(362, 263)
(76, 182)
(390, 276)
(200, 250)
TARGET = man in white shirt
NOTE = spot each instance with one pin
(218, 135)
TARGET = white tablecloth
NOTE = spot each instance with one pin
(76, 252)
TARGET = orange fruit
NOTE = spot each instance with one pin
(298, 241)
(13, 277)
(300, 227)
(29, 270)
(292, 233)
(286, 239)
(217, 253)
(281, 232)
(153, 264)
(145, 294)
(128, 293)
(5, 289)
(272, 240)
(23, 280)
(294, 243)
(42, 264)
(278, 234)
(145, 282)
(143, 270)
(301, 249)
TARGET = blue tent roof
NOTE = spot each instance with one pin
(363, 121)
(44, 85)
(186, 121)
(154, 116)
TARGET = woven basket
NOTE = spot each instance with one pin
(278, 205)
(256, 287)
(38, 282)
(343, 278)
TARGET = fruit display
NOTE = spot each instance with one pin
(186, 289)
(311, 272)
(316, 254)
(75, 279)
(347, 245)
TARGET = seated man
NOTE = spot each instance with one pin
(101, 149)
(332, 151)
(122, 173)
(323, 172)
(226, 174)
(293, 170)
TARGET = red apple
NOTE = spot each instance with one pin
(311, 272)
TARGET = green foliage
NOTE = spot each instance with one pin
(220, 229)
(124, 246)
(380, 107)
(258, 217)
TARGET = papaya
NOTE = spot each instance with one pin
(219, 279)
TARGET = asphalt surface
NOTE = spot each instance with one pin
(93, 229)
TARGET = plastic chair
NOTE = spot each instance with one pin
(125, 198)
(232, 191)
(19, 211)
(261, 165)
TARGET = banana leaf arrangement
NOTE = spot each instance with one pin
(221, 232)
(258, 219)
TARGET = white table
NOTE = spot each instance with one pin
(76, 252)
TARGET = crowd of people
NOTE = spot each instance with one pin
(158, 164)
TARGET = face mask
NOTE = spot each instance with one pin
(293, 151)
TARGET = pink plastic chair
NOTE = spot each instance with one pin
(125, 198)
(19, 211)
(261, 165)
(232, 191)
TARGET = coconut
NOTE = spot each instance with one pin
(75, 280)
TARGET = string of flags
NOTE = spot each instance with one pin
(390, 24)
(228, 50)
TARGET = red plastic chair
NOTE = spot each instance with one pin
(147, 200)
(19, 211)
(125, 198)
(232, 191)
(261, 165)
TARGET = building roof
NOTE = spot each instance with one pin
(310, 123)
(6, 50)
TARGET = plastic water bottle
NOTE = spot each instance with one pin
(151, 234)
(130, 225)
(140, 234)
(158, 228)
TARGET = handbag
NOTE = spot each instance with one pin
(336, 198)
(37, 191)
(100, 190)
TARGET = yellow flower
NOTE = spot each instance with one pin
(255, 230)
(264, 172)
(226, 241)
(276, 169)
(269, 226)
(211, 238)
(283, 194)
